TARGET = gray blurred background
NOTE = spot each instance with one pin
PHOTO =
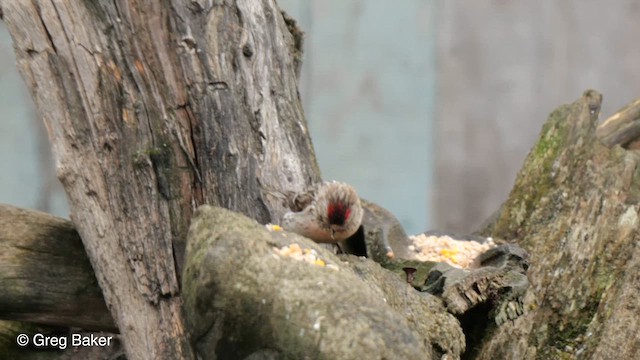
(428, 107)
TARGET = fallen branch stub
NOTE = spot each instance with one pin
(485, 297)
(497, 278)
(622, 128)
(500, 278)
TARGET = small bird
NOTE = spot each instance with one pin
(328, 212)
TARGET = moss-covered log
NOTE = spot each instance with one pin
(574, 208)
(245, 300)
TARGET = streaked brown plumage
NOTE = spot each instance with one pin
(328, 212)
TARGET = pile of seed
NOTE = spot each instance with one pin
(296, 252)
(458, 253)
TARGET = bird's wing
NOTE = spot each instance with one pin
(300, 201)
(295, 201)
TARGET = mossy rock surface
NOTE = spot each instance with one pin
(244, 300)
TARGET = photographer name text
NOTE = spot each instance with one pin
(61, 342)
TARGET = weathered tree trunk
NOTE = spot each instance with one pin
(575, 207)
(154, 108)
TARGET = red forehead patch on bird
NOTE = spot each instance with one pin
(338, 213)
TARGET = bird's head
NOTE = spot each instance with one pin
(342, 210)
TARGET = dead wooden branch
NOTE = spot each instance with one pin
(622, 128)
(45, 274)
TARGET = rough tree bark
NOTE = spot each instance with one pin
(574, 207)
(154, 108)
